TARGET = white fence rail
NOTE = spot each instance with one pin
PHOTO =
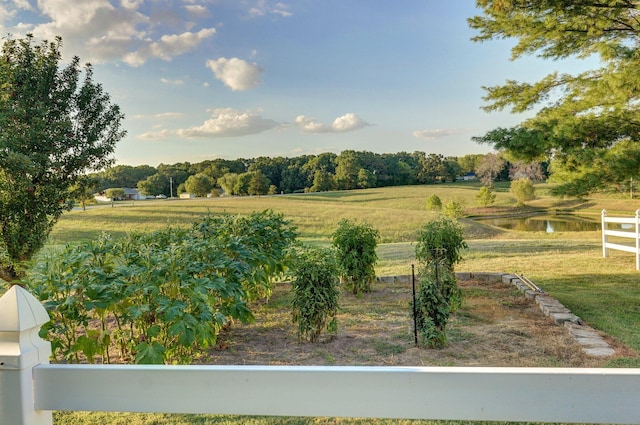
(30, 388)
(631, 223)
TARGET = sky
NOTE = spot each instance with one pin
(205, 79)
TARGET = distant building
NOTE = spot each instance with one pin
(470, 176)
(129, 195)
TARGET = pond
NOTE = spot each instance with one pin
(546, 223)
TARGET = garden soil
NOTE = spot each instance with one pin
(496, 326)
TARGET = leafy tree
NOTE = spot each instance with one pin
(124, 175)
(228, 183)
(347, 169)
(295, 177)
(326, 161)
(366, 179)
(469, 163)
(56, 124)
(157, 184)
(452, 168)
(485, 196)
(522, 190)
(242, 184)
(176, 173)
(115, 193)
(259, 184)
(200, 184)
(315, 292)
(453, 209)
(434, 203)
(271, 168)
(356, 253)
(431, 168)
(398, 170)
(322, 181)
(579, 117)
(83, 190)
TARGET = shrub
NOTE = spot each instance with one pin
(158, 297)
(356, 254)
(453, 209)
(434, 203)
(315, 292)
(522, 190)
(438, 249)
(485, 196)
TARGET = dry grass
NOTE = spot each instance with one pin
(497, 326)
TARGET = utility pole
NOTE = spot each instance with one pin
(170, 187)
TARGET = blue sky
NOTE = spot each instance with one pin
(205, 79)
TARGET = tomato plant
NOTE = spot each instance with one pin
(356, 253)
(315, 292)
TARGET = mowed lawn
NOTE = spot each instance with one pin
(603, 291)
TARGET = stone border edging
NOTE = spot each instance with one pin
(592, 343)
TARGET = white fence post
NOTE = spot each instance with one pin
(637, 240)
(605, 253)
(21, 348)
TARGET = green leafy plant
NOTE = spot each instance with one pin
(432, 311)
(315, 292)
(159, 297)
(522, 190)
(485, 197)
(56, 125)
(442, 233)
(434, 203)
(356, 254)
(453, 209)
(438, 249)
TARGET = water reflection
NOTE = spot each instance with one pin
(546, 223)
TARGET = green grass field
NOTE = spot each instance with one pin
(605, 292)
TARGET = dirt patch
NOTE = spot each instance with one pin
(496, 326)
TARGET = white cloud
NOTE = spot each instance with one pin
(235, 73)
(263, 7)
(347, 122)
(434, 134)
(197, 10)
(229, 122)
(131, 4)
(171, 82)
(156, 135)
(167, 47)
(224, 122)
(106, 30)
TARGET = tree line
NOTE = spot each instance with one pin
(310, 173)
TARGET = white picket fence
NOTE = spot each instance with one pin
(30, 388)
(633, 223)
